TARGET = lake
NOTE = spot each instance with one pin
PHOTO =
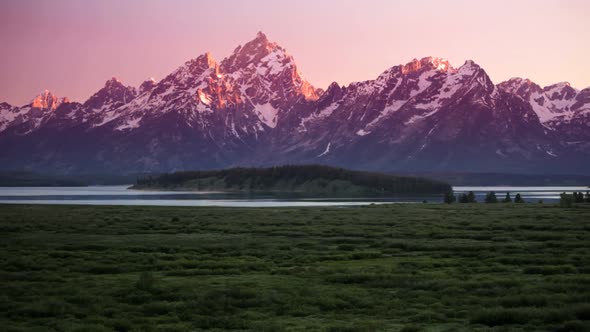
(120, 195)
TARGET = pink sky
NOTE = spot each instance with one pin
(71, 47)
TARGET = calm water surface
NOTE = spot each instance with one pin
(120, 195)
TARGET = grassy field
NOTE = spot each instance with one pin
(400, 267)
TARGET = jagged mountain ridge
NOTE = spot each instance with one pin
(427, 112)
(255, 108)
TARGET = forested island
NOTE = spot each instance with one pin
(312, 179)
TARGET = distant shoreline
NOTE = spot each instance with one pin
(29, 179)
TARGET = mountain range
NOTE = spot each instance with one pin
(254, 108)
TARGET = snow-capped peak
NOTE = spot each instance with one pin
(191, 73)
(114, 93)
(561, 90)
(518, 81)
(522, 87)
(113, 83)
(261, 36)
(147, 85)
(426, 63)
(470, 64)
(439, 63)
(203, 62)
(549, 103)
(255, 52)
(206, 60)
(45, 100)
(560, 85)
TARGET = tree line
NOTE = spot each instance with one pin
(566, 200)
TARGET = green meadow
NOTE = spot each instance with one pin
(396, 267)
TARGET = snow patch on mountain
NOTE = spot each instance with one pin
(362, 132)
(423, 82)
(325, 151)
(130, 124)
(8, 114)
(416, 118)
(392, 107)
(267, 114)
(274, 63)
(322, 114)
(110, 116)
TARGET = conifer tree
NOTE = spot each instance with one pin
(449, 197)
(518, 199)
(566, 200)
(507, 199)
(587, 196)
(471, 197)
(491, 197)
(463, 198)
(579, 198)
